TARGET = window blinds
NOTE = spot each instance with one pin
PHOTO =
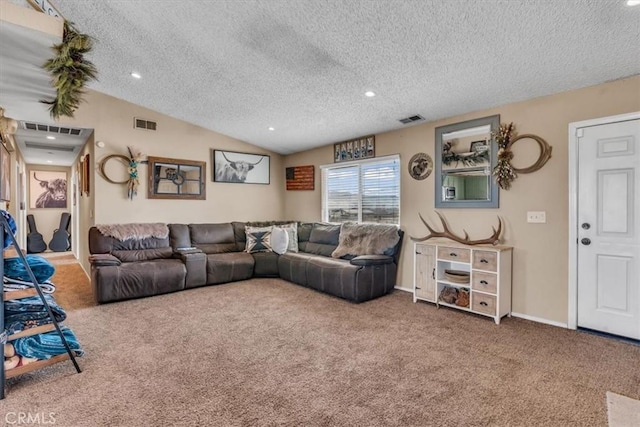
(367, 191)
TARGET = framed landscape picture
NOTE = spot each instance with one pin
(240, 168)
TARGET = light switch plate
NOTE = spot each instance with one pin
(539, 217)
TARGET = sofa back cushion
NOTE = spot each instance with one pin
(179, 236)
(143, 254)
(213, 238)
(239, 235)
(304, 232)
(323, 239)
(129, 250)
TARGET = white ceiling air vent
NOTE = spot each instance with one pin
(412, 119)
(62, 130)
(49, 147)
(144, 124)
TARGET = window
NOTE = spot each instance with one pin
(362, 191)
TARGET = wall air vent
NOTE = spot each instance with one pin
(144, 124)
(49, 147)
(412, 119)
(52, 129)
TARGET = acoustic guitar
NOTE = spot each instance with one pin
(60, 241)
(35, 242)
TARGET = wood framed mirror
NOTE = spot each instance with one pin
(465, 156)
(176, 179)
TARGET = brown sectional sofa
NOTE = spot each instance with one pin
(195, 255)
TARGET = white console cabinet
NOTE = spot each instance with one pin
(441, 269)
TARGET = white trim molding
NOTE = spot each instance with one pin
(540, 320)
(403, 289)
(575, 131)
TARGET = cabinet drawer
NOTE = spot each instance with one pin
(454, 254)
(485, 260)
(485, 282)
(483, 303)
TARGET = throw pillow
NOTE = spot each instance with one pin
(292, 231)
(279, 240)
(258, 239)
(42, 269)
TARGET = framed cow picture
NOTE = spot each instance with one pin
(47, 189)
(241, 168)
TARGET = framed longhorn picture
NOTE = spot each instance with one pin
(47, 189)
(241, 168)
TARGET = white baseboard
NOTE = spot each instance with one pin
(402, 288)
(540, 320)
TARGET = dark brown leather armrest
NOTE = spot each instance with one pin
(365, 260)
(104, 260)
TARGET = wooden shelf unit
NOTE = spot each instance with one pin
(489, 270)
(10, 373)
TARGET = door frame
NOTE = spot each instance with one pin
(572, 318)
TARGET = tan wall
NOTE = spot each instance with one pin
(112, 121)
(540, 250)
(82, 217)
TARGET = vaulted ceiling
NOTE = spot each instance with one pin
(303, 67)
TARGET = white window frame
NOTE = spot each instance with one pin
(396, 157)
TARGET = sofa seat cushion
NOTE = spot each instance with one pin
(266, 264)
(138, 279)
(229, 267)
(334, 276)
(292, 266)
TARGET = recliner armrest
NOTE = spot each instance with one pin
(365, 260)
(104, 260)
(195, 262)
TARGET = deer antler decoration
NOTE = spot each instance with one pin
(494, 239)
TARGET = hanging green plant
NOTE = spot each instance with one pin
(503, 172)
(70, 71)
(465, 159)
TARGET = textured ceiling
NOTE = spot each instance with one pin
(239, 67)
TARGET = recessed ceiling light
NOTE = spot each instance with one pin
(51, 137)
(369, 94)
(633, 2)
(272, 128)
(136, 75)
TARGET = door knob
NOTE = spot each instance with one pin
(586, 241)
(586, 225)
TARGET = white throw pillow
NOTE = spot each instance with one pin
(279, 240)
(292, 230)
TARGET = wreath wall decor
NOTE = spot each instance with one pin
(70, 71)
(131, 162)
(504, 172)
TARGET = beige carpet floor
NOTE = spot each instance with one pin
(267, 352)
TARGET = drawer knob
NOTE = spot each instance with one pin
(484, 282)
(453, 254)
(483, 303)
(484, 261)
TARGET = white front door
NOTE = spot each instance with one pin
(609, 228)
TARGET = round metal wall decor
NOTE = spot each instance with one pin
(420, 166)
